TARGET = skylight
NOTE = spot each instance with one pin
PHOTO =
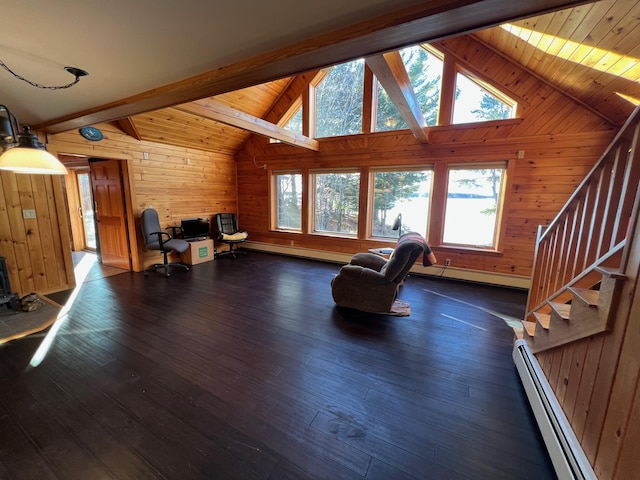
(593, 57)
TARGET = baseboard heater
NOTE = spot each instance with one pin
(565, 451)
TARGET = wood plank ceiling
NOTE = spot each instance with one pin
(590, 52)
(175, 127)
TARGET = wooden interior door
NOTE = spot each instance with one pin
(75, 210)
(109, 209)
(86, 211)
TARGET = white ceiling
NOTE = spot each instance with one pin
(129, 47)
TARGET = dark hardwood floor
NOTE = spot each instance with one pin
(245, 369)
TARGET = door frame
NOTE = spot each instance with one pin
(76, 209)
(68, 158)
(72, 194)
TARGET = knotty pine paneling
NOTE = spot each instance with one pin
(543, 108)
(540, 184)
(560, 139)
(256, 100)
(550, 47)
(173, 127)
(37, 250)
(178, 182)
(289, 96)
(596, 381)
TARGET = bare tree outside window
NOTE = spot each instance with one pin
(339, 100)
(336, 202)
(289, 194)
(425, 73)
(474, 103)
(295, 122)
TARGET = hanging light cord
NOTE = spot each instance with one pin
(77, 72)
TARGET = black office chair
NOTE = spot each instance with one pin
(157, 239)
(227, 231)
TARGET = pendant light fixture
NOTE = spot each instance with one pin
(22, 151)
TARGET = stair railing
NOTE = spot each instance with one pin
(592, 227)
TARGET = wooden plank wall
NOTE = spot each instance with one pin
(37, 250)
(552, 168)
(178, 182)
(543, 108)
(560, 138)
(597, 382)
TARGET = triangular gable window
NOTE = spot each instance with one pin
(292, 119)
(478, 102)
(295, 122)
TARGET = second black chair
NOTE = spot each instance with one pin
(227, 231)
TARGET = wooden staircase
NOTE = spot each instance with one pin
(578, 357)
(586, 313)
(581, 257)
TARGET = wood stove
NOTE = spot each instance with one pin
(6, 295)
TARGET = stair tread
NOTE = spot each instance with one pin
(562, 309)
(530, 328)
(590, 297)
(611, 272)
(543, 319)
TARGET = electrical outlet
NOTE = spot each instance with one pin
(447, 262)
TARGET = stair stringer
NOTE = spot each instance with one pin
(588, 312)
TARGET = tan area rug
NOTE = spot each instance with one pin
(16, 323)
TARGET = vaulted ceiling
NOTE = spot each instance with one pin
(589, 51)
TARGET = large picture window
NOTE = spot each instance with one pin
(473, 207)
(288, 192)
(400, 195)
(336, 196)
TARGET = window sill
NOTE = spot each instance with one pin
(462, 249)
(334, 235)
(286, 230)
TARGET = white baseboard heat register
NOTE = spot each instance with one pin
(564, 449)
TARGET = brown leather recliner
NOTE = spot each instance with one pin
(370, 282)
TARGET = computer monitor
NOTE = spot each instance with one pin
(195, 228)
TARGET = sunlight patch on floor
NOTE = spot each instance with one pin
(81, 271)
(512, 322)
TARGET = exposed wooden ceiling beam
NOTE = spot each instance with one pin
(390, 71)
(214, 110)
(428, 21)
(128, 127)
(290, 95)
